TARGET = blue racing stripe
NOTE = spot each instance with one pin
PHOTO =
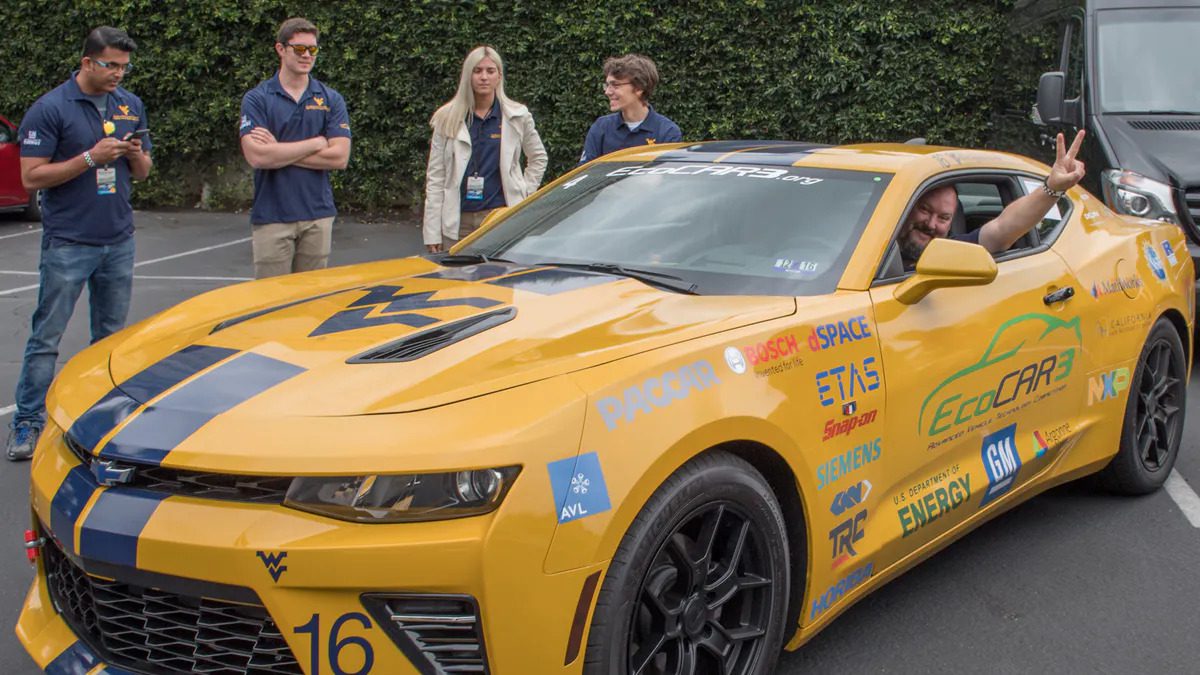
(167, 423)
(68, 503)
(112, 527)
(77, 659)
(127, 397)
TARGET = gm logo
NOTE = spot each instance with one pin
(109, 473)
(274, 563)
(1107, 385)
(1001, 461)
(850, 498)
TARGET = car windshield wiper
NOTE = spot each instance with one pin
(661, 279)
(468, 259)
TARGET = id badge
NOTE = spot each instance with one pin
(475, 188)
(106, 181)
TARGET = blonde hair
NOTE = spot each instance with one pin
(454, 114)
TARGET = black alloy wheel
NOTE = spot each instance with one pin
(699, 584)
(1154, 416)
(704, 603)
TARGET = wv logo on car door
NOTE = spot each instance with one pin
(382, 306)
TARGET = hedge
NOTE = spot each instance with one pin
(818, 70)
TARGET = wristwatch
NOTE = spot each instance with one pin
(1057, 194)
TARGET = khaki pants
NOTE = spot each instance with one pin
(467, 223)
(282, 248)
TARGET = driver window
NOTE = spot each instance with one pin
(1055, 217)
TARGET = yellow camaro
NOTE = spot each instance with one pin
(677, 411)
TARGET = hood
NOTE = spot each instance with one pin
(1163, 147)
(406, 335)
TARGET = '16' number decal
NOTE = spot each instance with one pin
(313, 628)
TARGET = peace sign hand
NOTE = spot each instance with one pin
(1067, 171)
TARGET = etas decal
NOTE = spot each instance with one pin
(849, 379)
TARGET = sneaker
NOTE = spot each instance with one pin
(21, 441)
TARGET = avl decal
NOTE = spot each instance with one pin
(381, 307)
(1108, 385)
(848, 462)
(830, 335)
(1017, 379)
(850, 379)
(843, 537)
(578, 486)
(1001, 461)
(656, 392)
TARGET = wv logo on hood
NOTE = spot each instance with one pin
(382, 306)
(274, 563)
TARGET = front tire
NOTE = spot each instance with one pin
(700, 581)
(1154, 416)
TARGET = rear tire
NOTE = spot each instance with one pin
(33, 211)
(700, 581)
(1154, 416)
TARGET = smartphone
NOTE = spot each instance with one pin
(139, 134)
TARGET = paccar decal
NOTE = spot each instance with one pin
(655, 392)
(577, 484)
(1042, 353)
(381, 306)
(835, 592)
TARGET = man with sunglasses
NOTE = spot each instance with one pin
(629, 81)
(81, 145)
(294, 131)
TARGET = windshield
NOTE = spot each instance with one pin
(1147, 60)
(728, 229)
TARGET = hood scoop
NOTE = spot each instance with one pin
(413, 347)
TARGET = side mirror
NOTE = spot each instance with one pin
(1050, 98)
(946, 264)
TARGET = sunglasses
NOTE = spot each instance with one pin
(108, 65)
(299, 50)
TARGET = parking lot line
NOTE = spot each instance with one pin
(7, 409)
(20, 234)
(173, 256)
(1185, 497)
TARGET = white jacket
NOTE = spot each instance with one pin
(448, 161)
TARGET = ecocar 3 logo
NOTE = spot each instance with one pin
(946, 407)
(657, 392)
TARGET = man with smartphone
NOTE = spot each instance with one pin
(81, 144)
(294, 131)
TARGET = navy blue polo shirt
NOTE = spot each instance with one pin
(293, 193)
(610, 133)
(64, 124)
(485, 161)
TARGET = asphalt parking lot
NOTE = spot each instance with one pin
(1074, 581)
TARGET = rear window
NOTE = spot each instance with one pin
(730, 229)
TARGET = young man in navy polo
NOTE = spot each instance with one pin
(294, 130)
(81, 144)
(629, 81)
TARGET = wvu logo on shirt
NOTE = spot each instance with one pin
(124, 109)
(125, 114)
(317, 104)
(650, 141)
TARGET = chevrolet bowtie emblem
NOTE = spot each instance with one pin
(110, 473)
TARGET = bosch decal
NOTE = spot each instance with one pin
(830, 597)
(656, 392)
(1001, 461)
(836, 427)
(850, 379)
(733, 359)
(577, 484)
(848, 462)
(831, 335)
(770, 357)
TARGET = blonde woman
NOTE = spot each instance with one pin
(475, 154)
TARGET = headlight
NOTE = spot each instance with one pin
(403, 498)
(1135, 195)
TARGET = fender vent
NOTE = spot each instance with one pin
(1165, 125)
(438, 633)
(414, 347)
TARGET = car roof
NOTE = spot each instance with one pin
(882, 157)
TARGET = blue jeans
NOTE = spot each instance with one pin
(64, 269)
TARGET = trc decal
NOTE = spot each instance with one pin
(1001, 461)
(843, 537)
(274, 563)
(381, 306)
(656, 392)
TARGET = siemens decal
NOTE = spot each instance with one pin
(656, 392)
(848, 462)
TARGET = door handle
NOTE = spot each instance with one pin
(1059, 295)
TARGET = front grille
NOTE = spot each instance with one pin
(438, 633)
(1191, 205)
(207, 485)
(153, 631)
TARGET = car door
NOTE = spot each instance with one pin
(976, 376)
(12, 193)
